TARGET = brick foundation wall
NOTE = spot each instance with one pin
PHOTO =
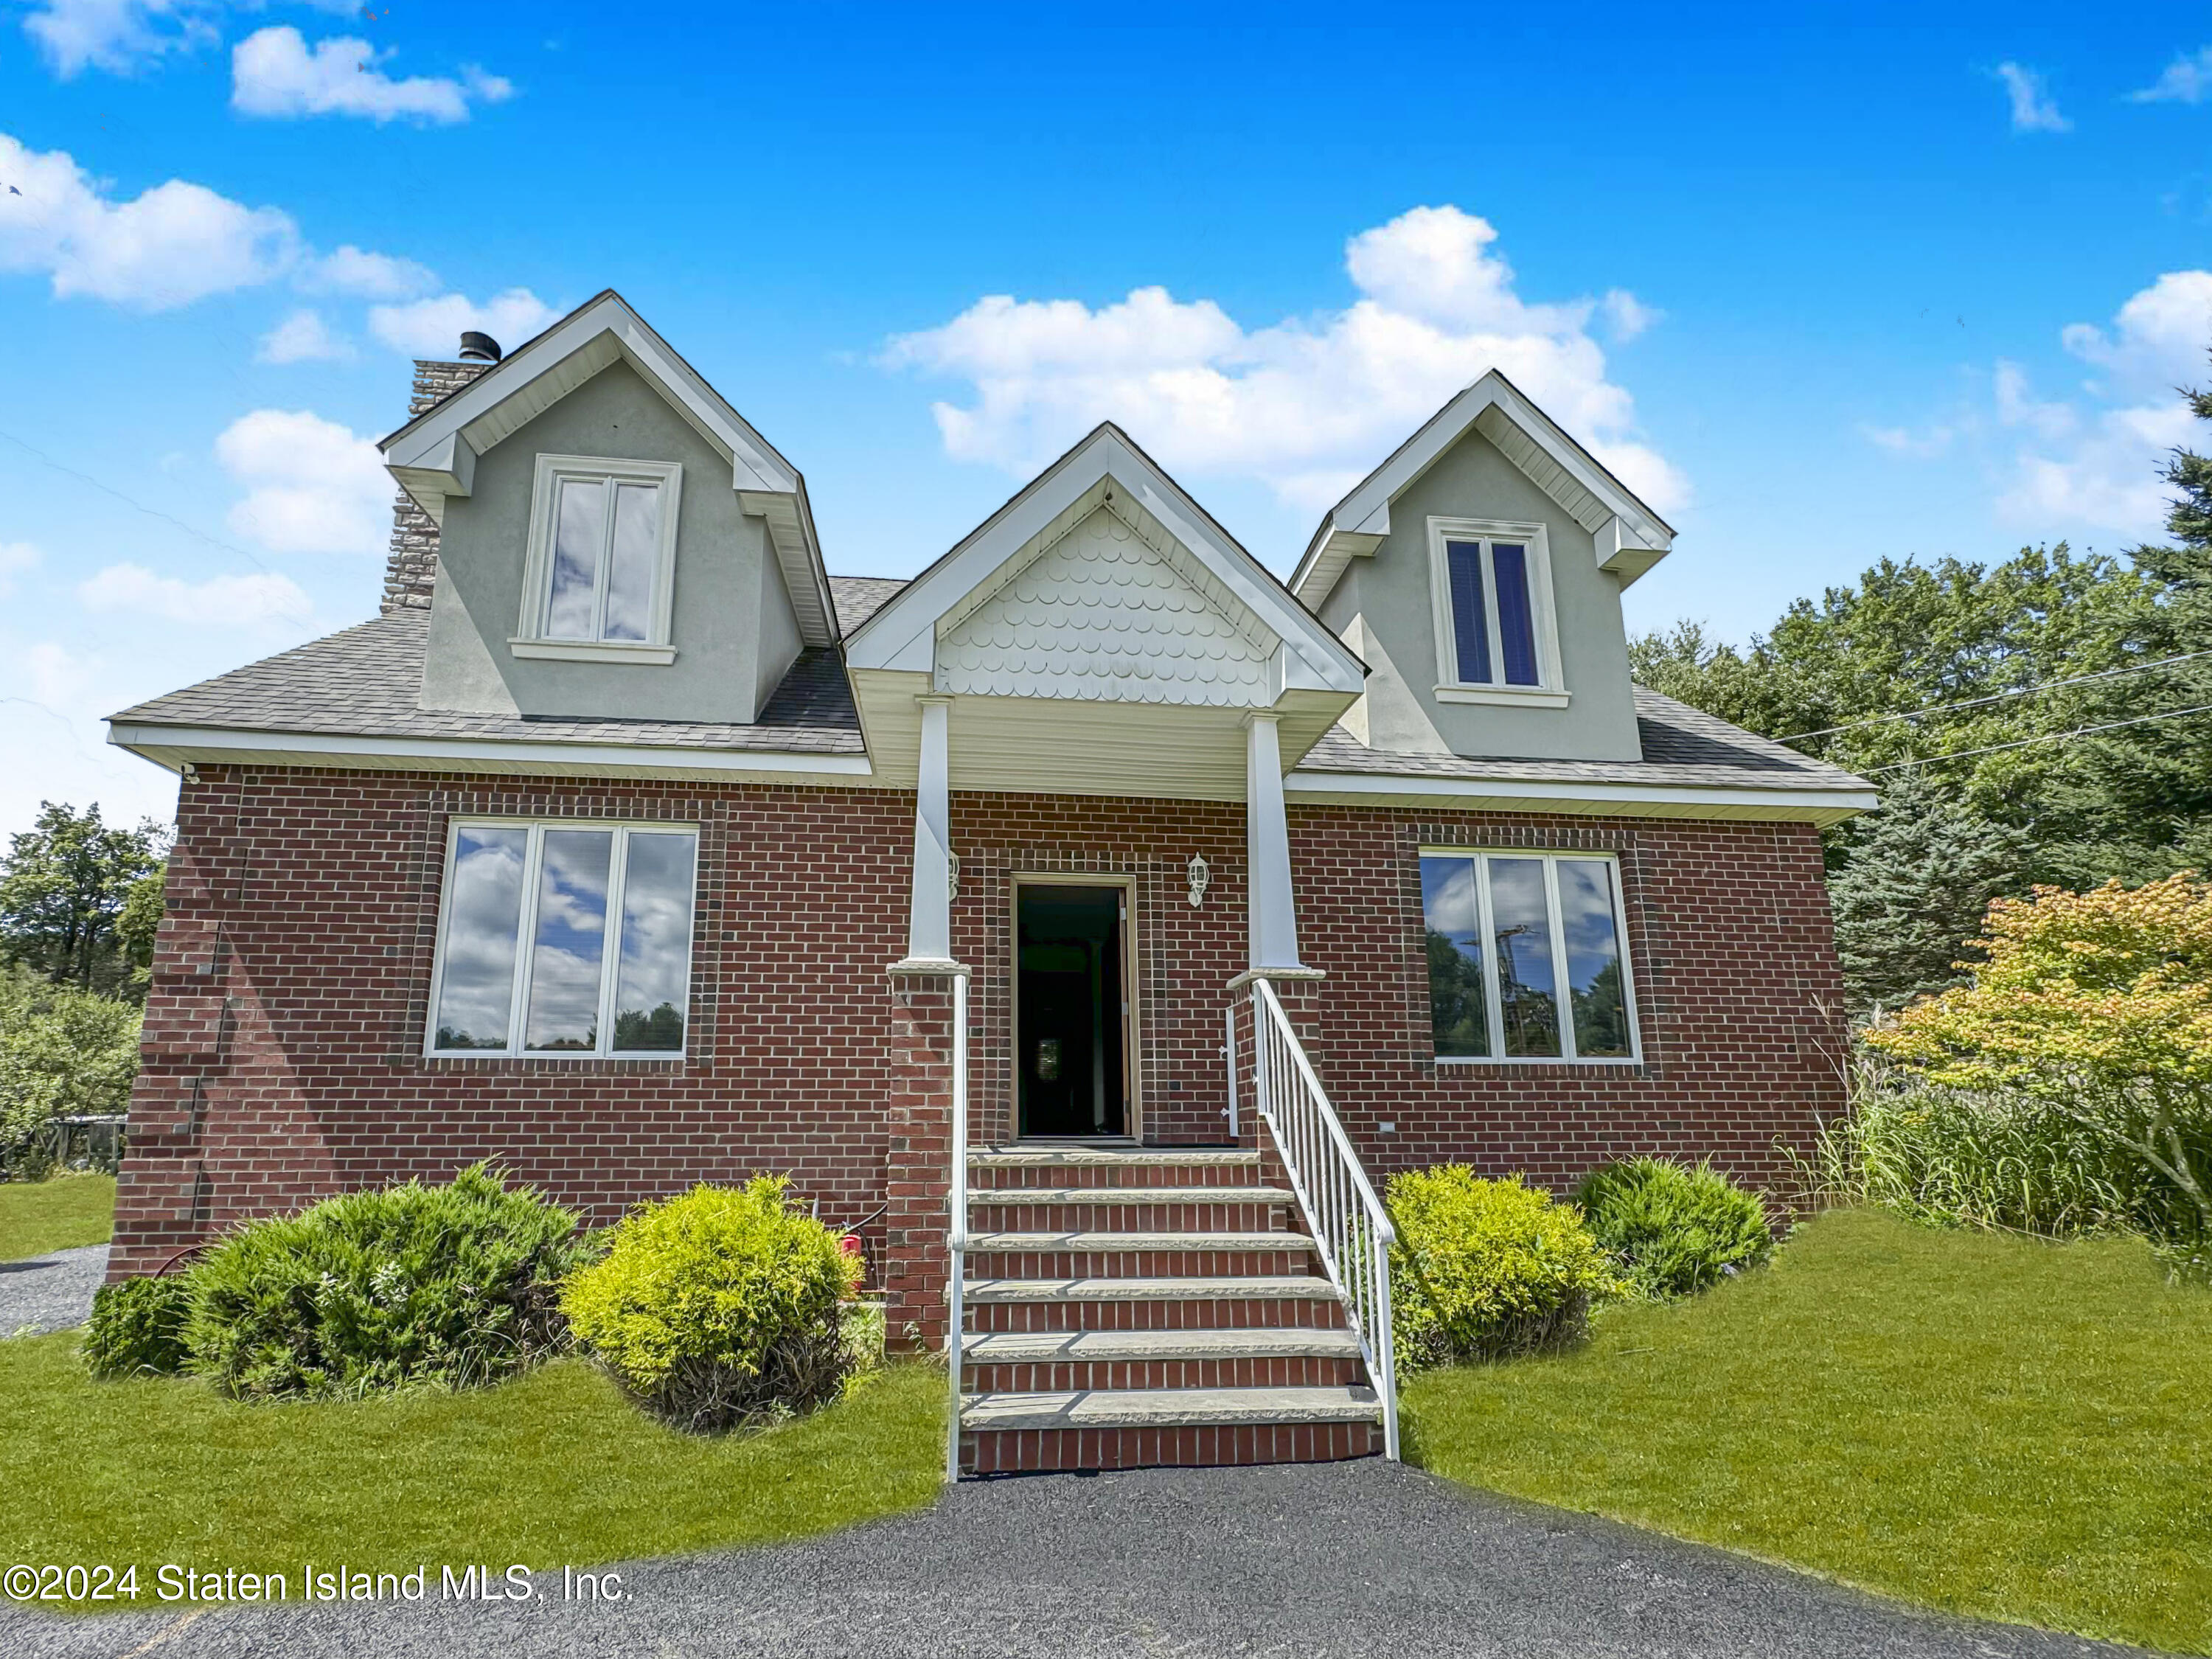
(284, 1060)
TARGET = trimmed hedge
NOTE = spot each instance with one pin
(454, 1286)
(721, 1307)
(1674, 1227)
(1488, 1269)
(137, 1329)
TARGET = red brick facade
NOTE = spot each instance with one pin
(284, 1030)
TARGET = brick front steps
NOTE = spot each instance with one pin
(1136, 1307)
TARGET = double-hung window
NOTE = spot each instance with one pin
(1528, 957)
(565, 939)
(601, 570)
(1496, 638)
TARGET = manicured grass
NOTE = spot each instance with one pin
(554, 1467)
(39, 1216)
(1978, 1422)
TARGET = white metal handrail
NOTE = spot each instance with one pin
(956, 1238)
(1351, 1230)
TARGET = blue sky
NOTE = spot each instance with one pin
(1828, 285)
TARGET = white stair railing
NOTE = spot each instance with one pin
(956, 1238)
(1351, 1229)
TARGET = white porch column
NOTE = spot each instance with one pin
(929, 922)
(1268, 902)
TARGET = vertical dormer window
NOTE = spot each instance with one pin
(602, 560)
(1497, 636)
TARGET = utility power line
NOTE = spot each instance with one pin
(2048, 737)
(2001, 697)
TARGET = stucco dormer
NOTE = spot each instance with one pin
(1478, 573)
(614, 540)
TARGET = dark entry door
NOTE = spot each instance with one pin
(1070, 1051)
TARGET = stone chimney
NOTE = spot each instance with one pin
(410, 572)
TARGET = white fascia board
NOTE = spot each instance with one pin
(754, 463)
(1624, 551)
(1366, 510)
(1819, 806)
(902, 634)
(440, 753)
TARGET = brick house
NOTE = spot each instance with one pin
(629, 848)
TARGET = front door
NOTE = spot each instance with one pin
(1071, 1009)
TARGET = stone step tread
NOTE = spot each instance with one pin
(1125, 1243)
(1168, 1408)
(1241, 1288)
(1153, 1195)
(1071, 1347)
(1031, 1157)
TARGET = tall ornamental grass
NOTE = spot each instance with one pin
(1994, 1157)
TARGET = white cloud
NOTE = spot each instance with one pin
(56, 674)
(312, 486)
(255, 601)
(1305, 406)
(2017, 406)
(119, 36)
(2033, 108)
(304, 338)
(2159, 339)
(2098, 462)
(1899, 441)
(168, 247)
(2187, 80)
(16, 558)
(433, 328)
(1626, 316)
(274, 72)
(363, 275)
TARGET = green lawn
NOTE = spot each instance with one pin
(1982, 1423)
(555, 1467)
(39, 1216)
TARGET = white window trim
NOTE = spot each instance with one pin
(1493, 1002)
(526, 932)
(530, 638)
(1550, 691)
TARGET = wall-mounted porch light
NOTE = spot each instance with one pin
(1200, 875)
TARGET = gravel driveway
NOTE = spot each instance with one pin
(1366, 1559)
(50, 1293)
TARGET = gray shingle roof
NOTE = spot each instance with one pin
(859, 597)
(367, 681)
(1683, 747)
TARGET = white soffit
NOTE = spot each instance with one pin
(1630, 538)
(1106, 470)
(433, 456)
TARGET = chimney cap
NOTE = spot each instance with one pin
(479, 348)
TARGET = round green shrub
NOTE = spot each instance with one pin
(1674, 1227)
(720, 1307)
(1487, 1269)
(454, 1286)
(137, 1329)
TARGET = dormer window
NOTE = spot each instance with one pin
(1496, 636)
(601, 561)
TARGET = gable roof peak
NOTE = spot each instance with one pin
(433, 456)
(902, 633)
(1631, 537)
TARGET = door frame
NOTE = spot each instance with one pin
(1132, 1083)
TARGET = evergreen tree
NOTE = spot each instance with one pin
(1916, 879)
